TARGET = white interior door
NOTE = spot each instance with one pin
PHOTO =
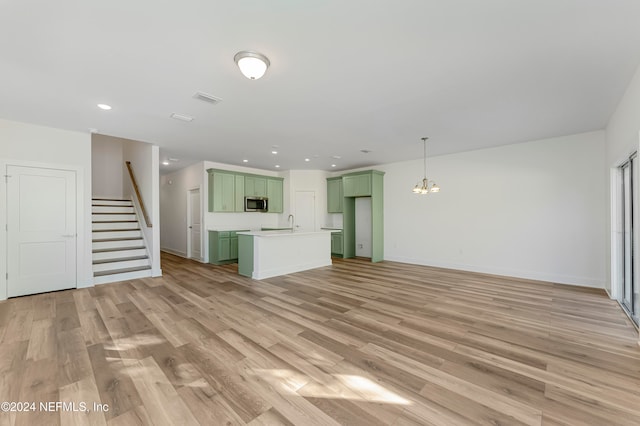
(305, 211)
(41, 230)
(194, 230)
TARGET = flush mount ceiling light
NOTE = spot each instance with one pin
(427, 186)
(252, 65)
(104, 107)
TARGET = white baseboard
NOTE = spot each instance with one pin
(174, 252)
(530, 275)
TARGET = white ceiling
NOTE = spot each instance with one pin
(344, 75)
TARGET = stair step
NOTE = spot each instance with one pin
(109, 250)
(116, 230)
(110, 235)
(117, 244)
(119, 259)
(110, 202)
(112, 209)
(121, 271)
(112, 266)
(118, 225)
(112, 217)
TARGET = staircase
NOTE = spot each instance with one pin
(119, 251)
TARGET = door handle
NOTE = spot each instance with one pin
(191, 227)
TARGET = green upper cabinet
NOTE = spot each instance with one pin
(357, 185)
(274, 193)
(223, 184)
(227, 191)
(334, 195)
(255, 186)
(239, 206)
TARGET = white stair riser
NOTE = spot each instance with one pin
(119, 254)
(104, 279)
(115, 225)
(111, 209)
(97, 217)
(125, 203)
(120, 265)
(116, 244)
(116, 234)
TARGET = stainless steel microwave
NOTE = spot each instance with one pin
(256, 204)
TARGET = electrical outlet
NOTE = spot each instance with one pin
(359, 245)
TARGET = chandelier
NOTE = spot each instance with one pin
(426, 186)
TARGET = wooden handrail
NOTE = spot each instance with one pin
(137, 190)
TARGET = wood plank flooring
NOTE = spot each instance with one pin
(354, 344)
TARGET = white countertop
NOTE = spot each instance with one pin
(281, 233)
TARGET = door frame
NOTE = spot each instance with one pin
(189, 254)
(84, 273)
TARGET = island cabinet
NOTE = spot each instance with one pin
(275, 195)
(358, 185)
(222, 197)
(255, 186)
(334, 195)
(223, 247)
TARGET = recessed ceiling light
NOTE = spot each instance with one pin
(166, 163)
(333, 165)
(104, 107)
(277, 166)
(336, 157)
(365, 151)
(307, 159)
(245, 161)
(174, 159)
(274, 152)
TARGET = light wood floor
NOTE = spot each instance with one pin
(356, 343)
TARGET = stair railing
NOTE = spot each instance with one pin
(147, 221)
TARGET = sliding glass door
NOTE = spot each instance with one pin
(629, 295)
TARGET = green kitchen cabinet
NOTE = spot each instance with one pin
(222, 191)
(255, 186)
(336, 244)
(223, 247)
(239, 205)
(275, 195)
(334, 195)
(369, 183)
(358, 185)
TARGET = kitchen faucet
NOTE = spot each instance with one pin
(292, 221)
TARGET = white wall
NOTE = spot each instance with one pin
(622, 140)
(363, 227)
(144, 159)
(27, 144)
(107, 165)
(533, 210)
(173, 206)
(309, 180)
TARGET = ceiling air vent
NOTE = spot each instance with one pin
(207, 98)
(181, 117)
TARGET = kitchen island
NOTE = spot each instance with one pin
(265, 254)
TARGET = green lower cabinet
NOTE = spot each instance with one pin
(336, 244)
(223, 247)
